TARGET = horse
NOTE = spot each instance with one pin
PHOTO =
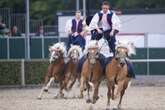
(56, 66)
(74, 54)
(92, 72)
(117, 73)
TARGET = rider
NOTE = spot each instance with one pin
(106, 23)
(74, 28)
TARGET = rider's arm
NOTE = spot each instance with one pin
(68, 27)
(94, 22)
(116, 24)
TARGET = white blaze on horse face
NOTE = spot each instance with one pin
(92, 56)
(131, 48)
(51, 56)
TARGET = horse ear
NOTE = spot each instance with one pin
(50, 48)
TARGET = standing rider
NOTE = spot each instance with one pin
(74, 28)
(105, 23)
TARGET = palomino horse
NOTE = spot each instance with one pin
(117, 73)
(56, 66)
(74, 54)
(92, 72)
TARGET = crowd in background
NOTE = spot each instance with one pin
(14, 31)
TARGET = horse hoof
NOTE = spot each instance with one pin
(88, 101)
(94, 102)
(39, 98)
(108, 107)
(80, 96)
(45, 90)
(62, 95)
(95, 99)
(68, 89)
(119, 107)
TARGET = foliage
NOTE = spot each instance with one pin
(10, 72)
(35, 71)
(46, 9)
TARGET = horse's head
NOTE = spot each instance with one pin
(57, 51)
(74, 53)
(121, 53)
(92, 51)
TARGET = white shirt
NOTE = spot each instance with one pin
(104, 23)
(68, 27)
(104, 48)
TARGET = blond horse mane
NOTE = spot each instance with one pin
(58, 46)
(130, 46)
(75, 47)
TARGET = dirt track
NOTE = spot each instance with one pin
(136, 98)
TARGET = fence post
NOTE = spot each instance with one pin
(148, 53)
(43, 47)
(22, 72)
(8, 48)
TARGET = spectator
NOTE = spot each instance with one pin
(40, 32)
(3, 30)
(15, 32)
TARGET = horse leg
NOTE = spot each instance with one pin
(62, 86)
(113, 91)
(124, 87)
(120, 91)
(45, 88)
(96, 90)
(48, 84)
(66, 81)
(88, 92)
(72, 83)
(121, 97)
(108, 96)
(82, 81)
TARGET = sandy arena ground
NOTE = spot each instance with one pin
(136, 98)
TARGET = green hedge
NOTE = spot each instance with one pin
(35, 71)
(10, 73)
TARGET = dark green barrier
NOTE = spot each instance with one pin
(36, 48)
(64, 40)
(35, 72)
(3, 48)
(17, 48)
(141, 53)
(49, 42)
(10, 73)
(157, 68)
(157, 53)
(140, 68)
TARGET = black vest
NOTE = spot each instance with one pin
(79, 28)
(109, 18)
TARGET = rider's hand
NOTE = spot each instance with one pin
(111, 33)
(83, 33)
(99, 31)
(75, 34)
